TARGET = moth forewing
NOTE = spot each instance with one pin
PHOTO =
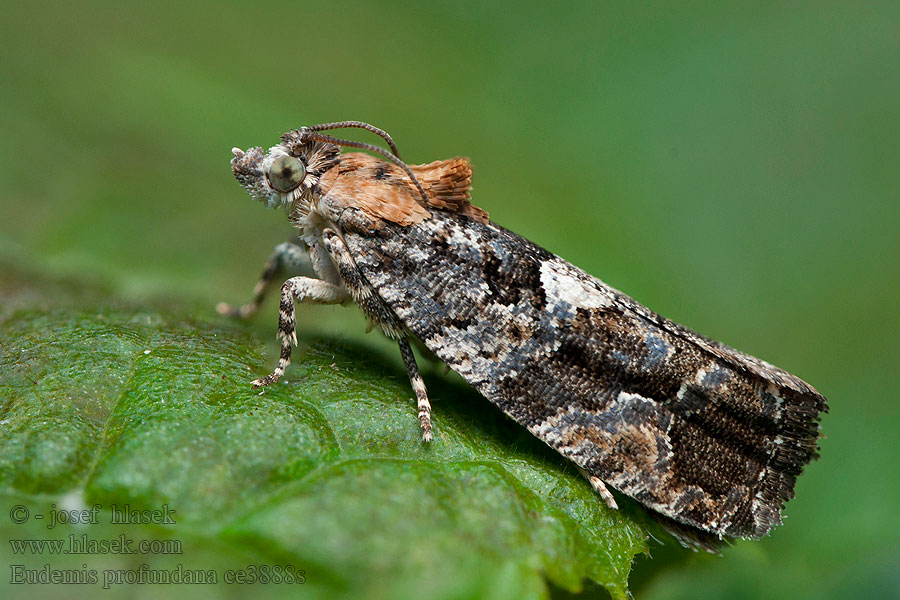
(707, 437)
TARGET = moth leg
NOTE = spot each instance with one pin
(286, 256)
(419, 387)
(365, 295)
(600, 488)
(301, 289)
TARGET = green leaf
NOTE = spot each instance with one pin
(326, 471)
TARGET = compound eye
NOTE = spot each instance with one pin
(286, 173)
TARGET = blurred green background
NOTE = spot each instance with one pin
(733, 167)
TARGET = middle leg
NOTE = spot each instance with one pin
(418, 385)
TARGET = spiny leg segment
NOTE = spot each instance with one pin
(303, 289)
(424, 406)
(601, 489)
(285, 257)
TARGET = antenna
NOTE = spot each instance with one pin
(310, 133)
(361, 125)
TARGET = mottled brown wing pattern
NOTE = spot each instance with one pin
(709, 438)
(701, 433)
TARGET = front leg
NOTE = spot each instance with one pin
(286, 257)
(301, 289)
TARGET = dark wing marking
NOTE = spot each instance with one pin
(695, 430)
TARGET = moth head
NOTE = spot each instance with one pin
(287, 172)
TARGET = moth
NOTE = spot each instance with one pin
(708, 438)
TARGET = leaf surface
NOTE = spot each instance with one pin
(325, 471)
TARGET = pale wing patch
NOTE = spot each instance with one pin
(564, 284)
